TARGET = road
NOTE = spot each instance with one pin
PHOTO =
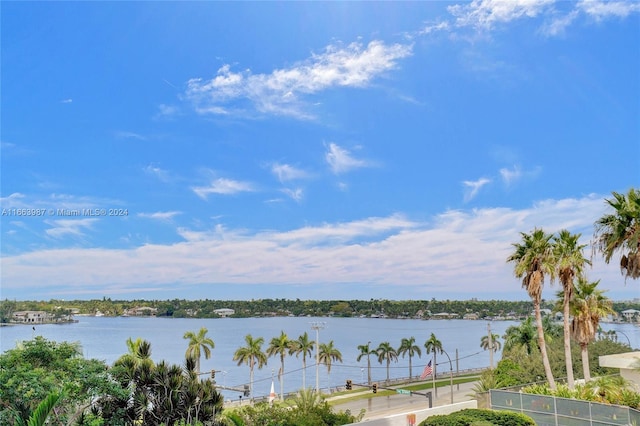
(382, 406)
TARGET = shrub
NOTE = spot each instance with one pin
(478, 417)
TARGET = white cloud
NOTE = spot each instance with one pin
(296, 194)
(287, 172)
(66, 101)
(340, 160)
(283, 90)
(511, 176)
(157, 172)
(486, 14)
(163, 216)
(130, 135)
(473, 187)
(600, 10)
(222, 186)
(65, 227)
(460, 251)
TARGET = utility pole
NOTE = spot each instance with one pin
(317, 326)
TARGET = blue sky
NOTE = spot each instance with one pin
(312, 150)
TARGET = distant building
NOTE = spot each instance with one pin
(631, 315)
(444, 315)
(31, 317)
(142, 311)
(224, 312)
(470, 316)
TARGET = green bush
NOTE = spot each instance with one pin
(478, 417)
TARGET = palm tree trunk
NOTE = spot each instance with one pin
(304, 372)
(585, 362)
(410, 372)
(543, 346)
(388, 370)
(433, 376)
(369, 369)
(567, 342)
(281, 378)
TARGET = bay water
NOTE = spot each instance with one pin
(105, 338)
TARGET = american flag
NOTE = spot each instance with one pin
(427, 370)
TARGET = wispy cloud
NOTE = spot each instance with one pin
(341, 161)
(514, 174)
(295, 194)
(486, 14)
(283, 91)
(69, 227)
(222, 186)
(600, 10)
(157, 172)
(130, 135)
(162, 216)
(473, 187)
(287, 172)
(66, 101)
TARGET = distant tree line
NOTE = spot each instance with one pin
(180, 308)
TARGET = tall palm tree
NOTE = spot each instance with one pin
(328, 354)
(366, 350)
(533, 259)
(387, 353)
(619, 231)
(433, 345)
(570, 262)
(280, 345)
(521, 335)
(198, 343)
(303, 346)
(408, 347)
(588, 306)
(252, 355)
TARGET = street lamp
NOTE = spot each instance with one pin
(628, 341)
(362, 375)
(450, 373)
(317, 326)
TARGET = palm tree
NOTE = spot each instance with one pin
(302, 346)
(198, 343)
(138, 354)
(366, 350)
(570, 263)
(252, 355)
(620, 231)
(533, 259)
(280, 346)
(521, 335)
(328, 354)
(495, 342)
(386, 352)
(588, 306)
(409, 347)
(433, 345)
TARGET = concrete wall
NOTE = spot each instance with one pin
(406, 418)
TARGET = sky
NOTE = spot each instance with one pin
(309, 150)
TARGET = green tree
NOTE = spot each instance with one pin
(366, 350)
(387, 353)
(570, 262)
(619, 231)
(495, 342)
(435, 346)
(138, 354)
(303, 346)
(280, 346)
(198, 343)
(533, 259)
(588, 306)
(408, 347)
(521, 335)
(251, 355)
(328, 354)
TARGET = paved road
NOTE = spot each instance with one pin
(382, 406)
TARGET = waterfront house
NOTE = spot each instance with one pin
(31, 317)
(224, 312)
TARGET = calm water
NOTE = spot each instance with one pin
(104, 338)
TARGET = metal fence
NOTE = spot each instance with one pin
(554, 411)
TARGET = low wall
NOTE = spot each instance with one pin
(413, 418)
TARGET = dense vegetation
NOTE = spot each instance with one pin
(51, 380)
(479, 417)
(283, 307)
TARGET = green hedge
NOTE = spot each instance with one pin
(478, 417)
